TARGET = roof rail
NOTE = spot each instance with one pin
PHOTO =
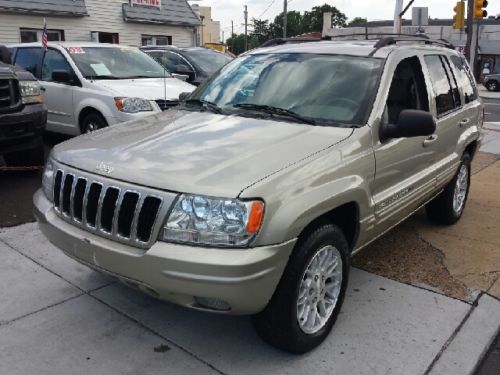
(386, 41)
(281, 41)
(372, 36)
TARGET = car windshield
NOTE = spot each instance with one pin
(115, 63)
(324, 89)
(208, 61)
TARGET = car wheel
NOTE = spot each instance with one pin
(26, 158)
(448, 207)
(309, 296)
(492, 86)
(92, 121)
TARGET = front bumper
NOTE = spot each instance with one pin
(243, 278)
(23, 129)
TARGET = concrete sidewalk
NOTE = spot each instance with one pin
(58, 317)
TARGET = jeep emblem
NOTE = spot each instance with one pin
(104, 168)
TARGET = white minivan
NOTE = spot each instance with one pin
(88, 86)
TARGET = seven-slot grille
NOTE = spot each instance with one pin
(166, 104)
(111, 211)
(9, 96)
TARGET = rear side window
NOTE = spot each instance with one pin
(29, 59)
(442, 84)
(464, 78)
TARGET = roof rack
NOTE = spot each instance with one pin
(373, 36)
(281, 41)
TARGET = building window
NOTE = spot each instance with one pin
(98, 36)
(156, 40)
(35, 35)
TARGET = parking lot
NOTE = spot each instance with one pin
(422, 299)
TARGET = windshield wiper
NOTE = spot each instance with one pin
(206, 104)
(275, 111)
(143, 76)
(96, 77)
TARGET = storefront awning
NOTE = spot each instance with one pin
(172, 12)
(71, 8)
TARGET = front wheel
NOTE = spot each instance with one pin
(448, 207)
(492, 86)
(92, 121)
(309, 296)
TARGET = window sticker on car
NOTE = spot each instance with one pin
(100, 69)
(75, 50)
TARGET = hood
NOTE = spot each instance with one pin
(194, 152)
(147, 88)
(13, 71)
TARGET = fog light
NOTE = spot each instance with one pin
(212, 303)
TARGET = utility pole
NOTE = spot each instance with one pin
(246, 28)
(285, 17)
(470, 31)
(232, 29)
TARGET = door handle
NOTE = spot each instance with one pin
(430, 140)
(464, 122)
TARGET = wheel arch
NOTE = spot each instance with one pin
(85, 111)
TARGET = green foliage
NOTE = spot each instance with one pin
(297, 24)
(357, 21)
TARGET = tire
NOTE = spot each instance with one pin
(492, 86)
(444, 209)
(26, 158)
(92, 121)
(278, 324)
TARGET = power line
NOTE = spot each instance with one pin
(268, 7)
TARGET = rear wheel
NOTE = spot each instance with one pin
(308, 299)
(26, 158)
(92, 121)
(448, 207)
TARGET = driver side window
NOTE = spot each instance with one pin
(408, 90)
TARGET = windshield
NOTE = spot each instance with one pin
(327, 89)
(208, 61)
(115, 63)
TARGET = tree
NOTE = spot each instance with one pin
(261, 30)
(313, 20)
(294, 25)
(357, 21)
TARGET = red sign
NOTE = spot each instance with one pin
(146, 3)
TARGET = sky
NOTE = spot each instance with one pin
(227, 10)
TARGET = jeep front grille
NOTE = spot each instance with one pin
(9, 95)
(109, 208)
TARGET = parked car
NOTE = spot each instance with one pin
(88, 86)
(492, 82)
(252, 197)
(22, 115)
(196, 64)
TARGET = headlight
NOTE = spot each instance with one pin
(213, 221)
(133, 105)
(31, 92)
(48, 180)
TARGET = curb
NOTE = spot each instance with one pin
(466, 349)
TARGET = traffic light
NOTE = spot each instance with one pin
(459, 17)
(479, 9)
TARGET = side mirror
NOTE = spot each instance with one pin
(183, 96)
(61, 76)
(5, 55)
(185, 71)
(411, 123)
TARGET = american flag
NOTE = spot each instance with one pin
(44, 34)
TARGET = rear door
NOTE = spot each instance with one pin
(58, 95)
(447, 105)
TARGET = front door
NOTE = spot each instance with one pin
(404, 167)
(58, 96)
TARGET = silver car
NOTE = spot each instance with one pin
(252, 196)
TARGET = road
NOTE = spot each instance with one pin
(492, 110)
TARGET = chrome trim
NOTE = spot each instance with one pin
(165, 201)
